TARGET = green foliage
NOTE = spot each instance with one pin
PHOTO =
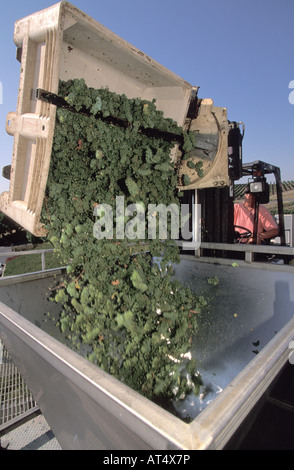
(213, 281)
(186, 180)
(137, 281)
(136, 319)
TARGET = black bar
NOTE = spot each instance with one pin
(282, 235)
(60, 102)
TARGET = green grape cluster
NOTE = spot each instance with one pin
(135, 318)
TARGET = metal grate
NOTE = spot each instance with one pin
(17, 403)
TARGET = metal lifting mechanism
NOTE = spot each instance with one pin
(260, 188)
(256, 171)
(235, 139)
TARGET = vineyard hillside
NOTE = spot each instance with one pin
(288, 196)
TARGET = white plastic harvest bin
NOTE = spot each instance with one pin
(64, 43)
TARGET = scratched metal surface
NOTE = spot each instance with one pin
(247, 307)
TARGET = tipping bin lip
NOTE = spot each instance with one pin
(62, 42)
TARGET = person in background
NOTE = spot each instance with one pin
(244, 217)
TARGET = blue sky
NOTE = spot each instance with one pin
(240, 54)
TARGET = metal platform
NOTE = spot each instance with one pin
(22, 427)
(33, 435)
(17, 402)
